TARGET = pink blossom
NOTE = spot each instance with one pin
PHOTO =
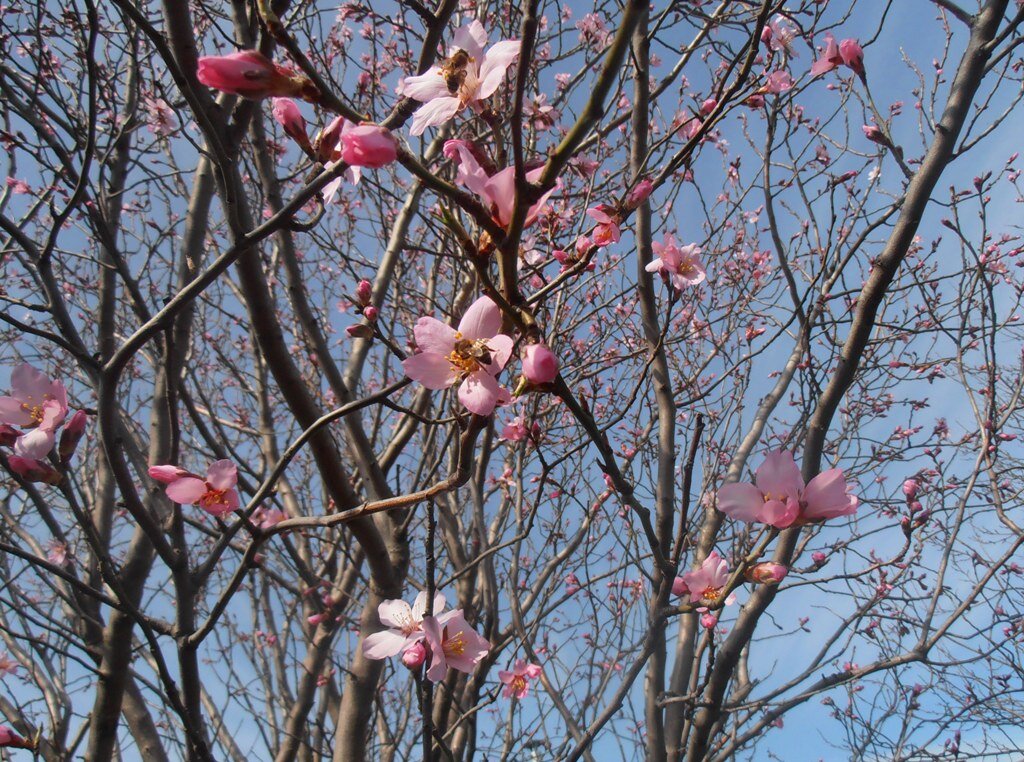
(249, 74)
(498, 191)
(10, 739)
(779, 34)
(830, 58)
(517, 681)
(708, 620)
(607, 230)
(8, 666)
(286, 113)
(32, 470)
(681, 264)
(781, 499)
(161, 117)
(910, 488)
(453, 643)
(404, 623)
(706, 582)
(265, 518)
(37, 403)
(364, 292)
(540, 365)
(639, 194)
(818, 557)
(216, 494)
(368, 145)
(778, 81)
(471, 356)
(708, 106)
(371, 313)
(515, 430)
(19, 187)
(852, 54)
(57, 552)
(167, 474)
(873, 133)
(463, 79)
(328, 147)
(767, 573)
(72, 435)
(542, 115)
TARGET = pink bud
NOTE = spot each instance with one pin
(708, 106)
(414, 656)
(766, 35)
(370, 313)
(167, 474)
(10, 739)
(248, 73)
(8, 435)
(364, 292)
(33, 470)
(767, 573)
(873, 133)
(708, 620)
(639, 193)
(910, 487)
(359, 331)
(818, 557)
(853, 55)
(286, 113)
(368, 146)
(316, 618)
(71, 436)
(540, 366)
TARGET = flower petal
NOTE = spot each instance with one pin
(741, 501)
(426, 87)
(13, 413)
(432, 370)
(381, 645)
(500, 193)
(778, 476)
(482, 320)
(434, 336)
(480, 393)
(827, 498)
(223, 474)
(36, 444)
(472, 37)
(501, 349)
(394, 612)
(187, 490)
(434, 112)
(495, 64)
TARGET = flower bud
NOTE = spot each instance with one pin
(873, 133)
(639, 193)
(368, 145)
(359, 331)
(287, 114)
(71, 436)
(708, 620)
(251, 74)
(540, 366)
(32, 470)
(708, 106)
(818, 557)
(167, 474)
(910, 487)
(364, 292)
(370, 313)
(768, 573)
(853, 55)
(414, 656)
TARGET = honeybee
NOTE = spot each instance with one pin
(453, 70)
(475, 350)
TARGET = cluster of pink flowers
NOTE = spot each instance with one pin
(29, 419)
(780, 498)
(846, 53)
(445, 639)
(215, 493)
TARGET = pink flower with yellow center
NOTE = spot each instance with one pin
(216, 494)
(36, 402)
(404, 626)
(453, 643)
(517, 682)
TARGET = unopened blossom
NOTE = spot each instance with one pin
(368, 145)
(767, 573)
(364, 292)
(38, 403)
(453, 643)
(10, 739)
(404, 623)
(705, 583)
(517, 680)
(251, 74)
(286, 113)
(471, 356)
(265, 518)
(8, 666)
(498, 191)
(32, 470)
(540, 365)
(607, 230)
(681, 264)
(72, 435)
(467, 76)
(910, 488)
(641, 191)
(414, 656)
(852, 55)
(328, 146)
(780, 498)
(708, 106)
(215, 494)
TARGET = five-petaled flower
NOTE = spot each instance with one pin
(467, 76)
(705, 583)
(453, 643)
(517, 681)
(681, 263)
(404, 623)
(37, 403)
(215, 494)
(471, 355)
(781, 498)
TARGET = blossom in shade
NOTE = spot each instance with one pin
(466, 77)
(32, 470)
(470, 355)
(266, 518)
(10, 739)
(705, 583)
(368, 145)
(515, 430)
(498, 191)
(780, 498)
(540, 365)
(286, 113)
(681, 264)
(453, 643)
(38, 403)
(251, 74)
(404, 623)
(215, 494)
(517, 680)
(607, 230)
